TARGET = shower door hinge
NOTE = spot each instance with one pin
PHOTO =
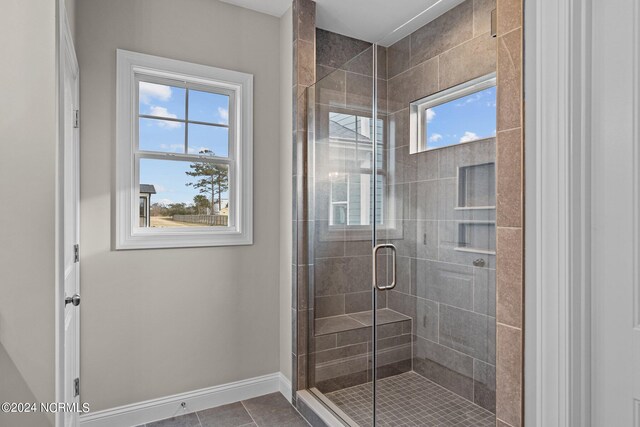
(76, 119)
(76, 253)
(76, 387)
(494, 23)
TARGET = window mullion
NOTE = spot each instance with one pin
(186, 122)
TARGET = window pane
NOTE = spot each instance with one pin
(208, 139)
(365, 130)
(161, 100)
(186, 194)
(342, 126)
(339, 189)
(160, 135)
(208, 107)
(465, 119)
(339, 214)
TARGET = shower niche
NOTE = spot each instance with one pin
(477, 186)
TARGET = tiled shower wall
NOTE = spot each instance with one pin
(510, 217)
(304, 39)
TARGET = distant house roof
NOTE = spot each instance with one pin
(147, 189)
(345, 131)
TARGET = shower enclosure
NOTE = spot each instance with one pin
(401, 198)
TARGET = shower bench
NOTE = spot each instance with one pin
(341, 349)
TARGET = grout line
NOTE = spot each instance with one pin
(504, 422)
(249, 412)
(519, 27)
(198, 417)
(436, 56)
(508, 326)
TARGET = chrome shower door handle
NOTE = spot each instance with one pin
(375, 266)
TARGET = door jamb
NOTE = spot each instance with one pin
(557, 80)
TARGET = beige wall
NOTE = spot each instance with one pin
(160, 322)
(70, 6)
(27, 180)
(14, 389)
(286, 197)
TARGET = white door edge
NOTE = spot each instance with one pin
(65, 59)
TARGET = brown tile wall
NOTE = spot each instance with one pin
(304, 39)
(510, 220)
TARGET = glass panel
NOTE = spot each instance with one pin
(429, 344)
(441, 219)
(208, 107)
(185, 194)
(160, 135)
(341, 156)
(161, 100)
(465, 119)
(213, 140)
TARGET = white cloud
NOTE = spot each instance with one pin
(224, 115)
(435, 137)
(430, 115)
(164, 202)
(177, 148)
(150, 91)
(469, 136)
(470, 100)
(163, 112)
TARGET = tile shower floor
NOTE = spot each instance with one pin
(409, 399)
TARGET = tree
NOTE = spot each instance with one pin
(212, 179)
(201, 203)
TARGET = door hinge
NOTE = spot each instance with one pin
(76, 387)
(76, 119)
(76, 253)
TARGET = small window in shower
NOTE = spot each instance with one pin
(462, 114)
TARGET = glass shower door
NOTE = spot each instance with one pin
(345, 169)
(434, 343)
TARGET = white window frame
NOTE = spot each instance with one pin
(130, 67)
(418, 109)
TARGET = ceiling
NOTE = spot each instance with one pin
(381, 21)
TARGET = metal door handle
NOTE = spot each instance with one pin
(75, 300)
(375, 266)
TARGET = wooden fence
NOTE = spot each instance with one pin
(219, 220)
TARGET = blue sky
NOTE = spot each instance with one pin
(168, 176)
(461, 120)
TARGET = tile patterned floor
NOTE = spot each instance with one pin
(410, 399)
(271, 410)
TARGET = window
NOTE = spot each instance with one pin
(458, 115)
(184, 154)
(350, 137)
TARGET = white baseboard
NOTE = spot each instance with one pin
(285, 387)
(170, 406)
